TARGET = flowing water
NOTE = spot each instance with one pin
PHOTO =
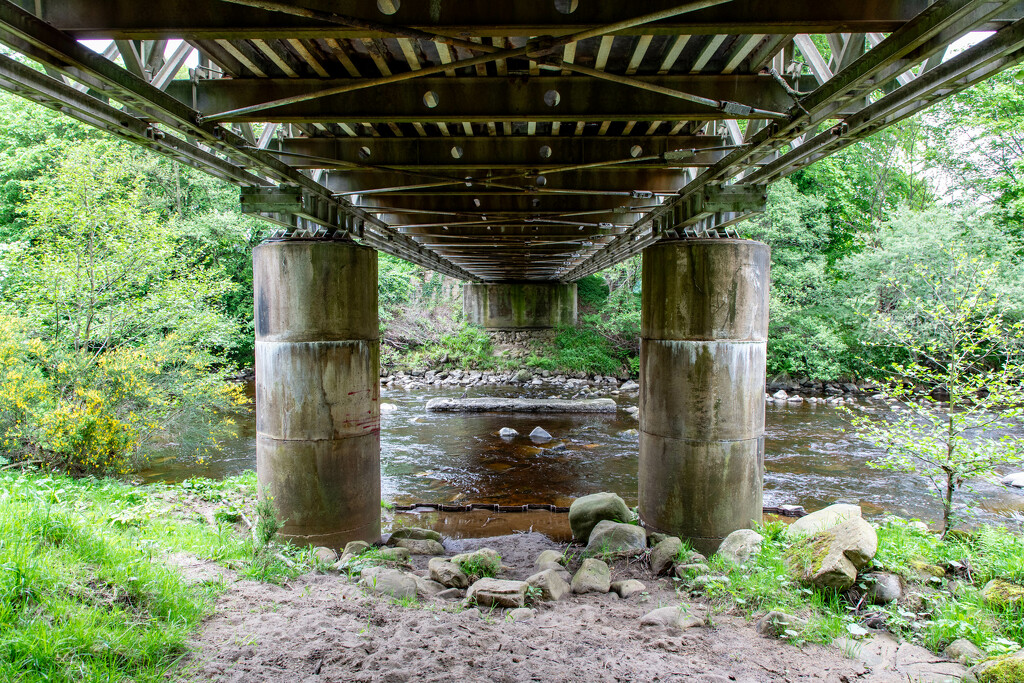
(454, 457)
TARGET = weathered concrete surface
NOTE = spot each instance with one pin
(518, 305)
(520, 405)
(317, 392)
(704, 324)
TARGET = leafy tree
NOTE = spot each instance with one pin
(962, 349)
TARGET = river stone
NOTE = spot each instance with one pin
(414, 533)
(520, 614)
(884, 588)
(656, 537)
(1015, 480)
(399, 555)
(685, 571)
(671, 617)
(325, 555)
(823, 519)
(830, 559)
(447, 573)
(489, 592)
(616, 538)
(586, 511)
(629, 386)
(593, 576)
(776, 624)
(387, 407)
(552, 586)
(425, 546)
(1009, 668)
(451, 594)
(485, 560)
(426, 588)
(1000, 593)
(627, 588)
(507, 433)
(354, 548)
(548, 556)
(388, 581)
(740, 546)
(964, 651)
(665, 554)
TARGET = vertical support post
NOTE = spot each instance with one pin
(704, 326)
(318, 389)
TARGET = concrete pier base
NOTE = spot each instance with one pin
(519, 305)
(317, 389)
(704, 325)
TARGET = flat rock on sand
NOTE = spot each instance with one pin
(318, 627)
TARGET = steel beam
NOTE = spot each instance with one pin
(212, 19)
(481, 99)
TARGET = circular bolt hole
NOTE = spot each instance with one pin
(566, 6)
(364, 152)
(541, 181)
(456, 152)
(388, 6)
(545, 152)
(430, 99)
(552, 98)
(635, 151)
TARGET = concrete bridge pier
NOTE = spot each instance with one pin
(704, 325)
(317, 389)
(519, 305)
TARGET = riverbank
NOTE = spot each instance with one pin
(106, 581)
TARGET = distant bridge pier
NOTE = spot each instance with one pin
(704, 311)
(520, 305)
(317, 388)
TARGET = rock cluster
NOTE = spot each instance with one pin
(586, 511)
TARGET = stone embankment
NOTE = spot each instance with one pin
(520, 405)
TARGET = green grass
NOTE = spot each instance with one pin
(948, 610)
(84, 595)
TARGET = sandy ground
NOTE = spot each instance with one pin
(322, 627)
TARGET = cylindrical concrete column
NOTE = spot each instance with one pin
(704, 325)
(519, 305)
(318, 389)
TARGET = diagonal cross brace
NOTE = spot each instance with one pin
(713, 201)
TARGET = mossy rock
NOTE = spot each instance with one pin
(1009, 669)
(1001, 594)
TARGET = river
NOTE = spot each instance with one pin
(450, 457)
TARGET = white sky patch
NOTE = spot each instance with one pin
(172, 45)
(968, 41)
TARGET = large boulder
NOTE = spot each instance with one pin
(822, 520)
(1008, 668)
(497, 593)
(665, 554)
(740, 546)
(550, 584)
(616, 538)
(447, 573)
(413, 533)
(593, 576)
(831, 559)
(587, 511)
(388, 581)
(1000, 594)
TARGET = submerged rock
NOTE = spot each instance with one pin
(586, 511)
(507, 433)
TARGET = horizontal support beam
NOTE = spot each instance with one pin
(212, 19)
(497, 152)
(482, 99)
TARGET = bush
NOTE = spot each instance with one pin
(583, 349)
(592, 291)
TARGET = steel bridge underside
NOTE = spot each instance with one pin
(491, 141)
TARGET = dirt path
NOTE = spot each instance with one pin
(324, 628)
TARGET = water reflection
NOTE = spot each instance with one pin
(451, 457)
